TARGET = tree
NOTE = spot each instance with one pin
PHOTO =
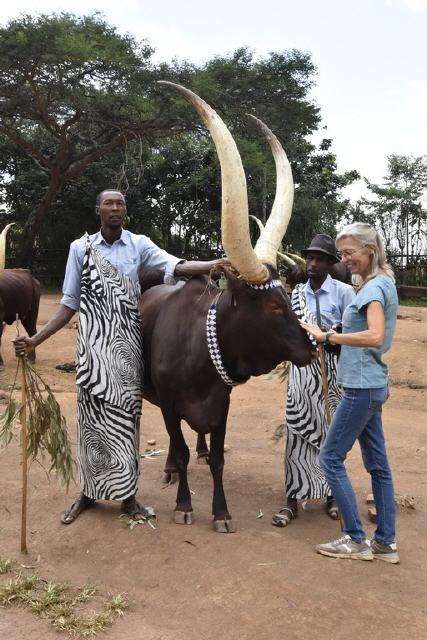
(72, 91)
(82, 109)
(398, 207)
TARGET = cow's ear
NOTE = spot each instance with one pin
(234, 282)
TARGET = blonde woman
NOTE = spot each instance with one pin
(368, 328)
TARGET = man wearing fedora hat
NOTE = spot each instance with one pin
(323, 300)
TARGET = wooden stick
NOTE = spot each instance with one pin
(325, 382)
(23, 417)
(24, 458)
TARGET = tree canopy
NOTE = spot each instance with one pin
(80, 111)
(397, 208)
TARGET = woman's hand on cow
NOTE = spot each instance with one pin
(315, 331)
(23, 345)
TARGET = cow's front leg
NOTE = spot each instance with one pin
(183, 513)
(222, 521)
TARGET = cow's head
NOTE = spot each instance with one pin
(270, 330)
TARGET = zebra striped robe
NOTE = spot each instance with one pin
(109, 380)
(306, 417)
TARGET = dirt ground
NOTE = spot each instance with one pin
(188, 582)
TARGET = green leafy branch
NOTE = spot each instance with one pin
(46, 429)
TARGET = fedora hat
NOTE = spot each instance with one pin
(322, 243)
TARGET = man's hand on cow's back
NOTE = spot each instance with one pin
(198, 267)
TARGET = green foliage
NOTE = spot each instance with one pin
(5, 566)
(46, 428)
(413, 302)
(7, 419)
(72, 91)
(81, 111)
(62, 605)
(398, 210)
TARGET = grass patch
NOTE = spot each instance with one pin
(65, 607)
(46, 290)
(413, 302)
(5, 566)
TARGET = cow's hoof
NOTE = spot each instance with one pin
(203, 458)
(224, 526)
(170, 478)
(183, 517)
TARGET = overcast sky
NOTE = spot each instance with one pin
(371, 57)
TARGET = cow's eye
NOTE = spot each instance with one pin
(276, 310)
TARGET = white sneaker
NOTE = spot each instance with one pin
(346, 547)
(386, 552)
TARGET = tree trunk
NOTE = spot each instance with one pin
(36, 220)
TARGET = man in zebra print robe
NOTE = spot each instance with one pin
(321, 300)
(101, 282)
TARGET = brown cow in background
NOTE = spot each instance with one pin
(19, 295)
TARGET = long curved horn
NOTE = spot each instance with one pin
(3, 235)
(290, 258)
(234, 216)
(270, 239)
(258, 221)
(286, 258)
(297, 258)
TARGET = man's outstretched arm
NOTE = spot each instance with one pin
(24, 345)
(197, 267)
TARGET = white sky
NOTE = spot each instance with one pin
(371, 57)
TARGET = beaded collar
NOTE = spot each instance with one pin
(211, 333)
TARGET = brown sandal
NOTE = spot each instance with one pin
(284, 517)
(332, 509)
(81, 504)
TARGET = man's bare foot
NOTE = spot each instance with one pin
(134, 510)
(81, 504)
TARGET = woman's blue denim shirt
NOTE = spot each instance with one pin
(363, 368)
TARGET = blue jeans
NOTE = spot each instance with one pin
(358, 416)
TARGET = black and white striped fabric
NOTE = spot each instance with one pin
(306, 418)
(109, 379)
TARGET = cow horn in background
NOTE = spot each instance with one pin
(287, 259)
(3, 235)
(271, 237)
(234, 215)
(297, 259)
(291, 259)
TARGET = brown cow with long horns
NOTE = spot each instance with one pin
(201, 340)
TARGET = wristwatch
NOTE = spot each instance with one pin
(328, 334)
